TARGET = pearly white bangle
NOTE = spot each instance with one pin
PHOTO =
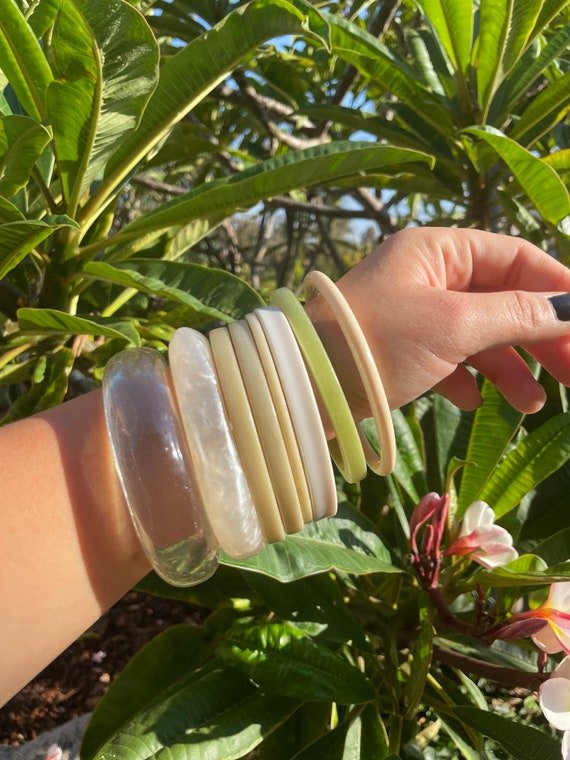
(219, 472)
(303, 408)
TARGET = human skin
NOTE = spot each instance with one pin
(428, 300)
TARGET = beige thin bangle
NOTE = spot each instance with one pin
(268, 427)
(318, 283)
(246, 435)
(346, 450)
(283, 415)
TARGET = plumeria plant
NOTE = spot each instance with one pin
(410, 625)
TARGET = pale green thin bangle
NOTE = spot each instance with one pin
(346, 449)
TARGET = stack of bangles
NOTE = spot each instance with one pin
(227, 449)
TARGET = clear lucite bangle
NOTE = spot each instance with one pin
(155, 469)
(346, 449)
(219, 473)
(268, 427)
(318, 283)
(246, 436)
(304, 410)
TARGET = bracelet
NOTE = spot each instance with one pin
(267, 423)
(283, 415)
(145, 437)
(304, 411)
(246, 435)
(218, 470)
(346, 450)
(318, 283)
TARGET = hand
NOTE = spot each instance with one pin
(432, 300)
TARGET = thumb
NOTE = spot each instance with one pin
(482, 321)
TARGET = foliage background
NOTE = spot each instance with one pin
(166, 163)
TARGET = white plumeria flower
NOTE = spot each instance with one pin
(486, 543)
(554, 698)
(555, 636)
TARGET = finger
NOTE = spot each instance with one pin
(461, 389)
(512, 377)
(554, 356)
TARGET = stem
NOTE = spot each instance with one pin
(489, 670)
(395, 733)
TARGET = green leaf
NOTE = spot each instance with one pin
(304, 168)
(49, 385)
(362, 738)
(522, 742)
(302, 728)
(282, 660)
(315, 604)
(22, 61)
(347, 542)
(539, 454)
(529, 68)
(215, 713)
(106, 61)
(53, 322)
(452, 21)
(511, 576)
(213, 293)
(452, 428)
(188, 77)
(494, 425)
(548, 108)
(422, 653)
(410, 467)
(17, 239)
(538, 180)
(505, 28)
(155, 669)
(555, 548)
(22, 141)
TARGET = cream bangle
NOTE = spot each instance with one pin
(347, 450)
(318, 283)
(246, 435)
(155, 468)
(303, 408)
(283, 415)
(219, 472)
(267, 423)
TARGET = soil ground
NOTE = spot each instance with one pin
(74, 683)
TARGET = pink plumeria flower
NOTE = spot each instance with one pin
(486, 543)
(554, 698)
(555, 636)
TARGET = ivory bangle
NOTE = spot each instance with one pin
(219, 472)
(347, 451)
(267, 423)
(283, 415)
(246, 435)
(304, 411)
(318, 283)
(155, 468)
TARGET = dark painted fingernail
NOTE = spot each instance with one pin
(561, 306)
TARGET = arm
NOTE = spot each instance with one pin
(423, 299)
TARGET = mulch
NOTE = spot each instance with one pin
(74, 682)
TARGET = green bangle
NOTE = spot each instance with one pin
(346, 450)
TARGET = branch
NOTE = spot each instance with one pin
(498, 673)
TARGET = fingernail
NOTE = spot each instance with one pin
(561, 306)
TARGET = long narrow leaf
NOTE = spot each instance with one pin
(541, 453)
(547, 109)
(53, 322)
(494, 425)
(538, 180)
(22, 141)
(452, 21)
(23, 61)
(18, 238)
(321, 165)
(189, 76)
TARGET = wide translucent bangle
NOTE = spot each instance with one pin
(317, 283)
(155, 468)
(219, 473)
(304, 411)
(246, 435)
(346, 449)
